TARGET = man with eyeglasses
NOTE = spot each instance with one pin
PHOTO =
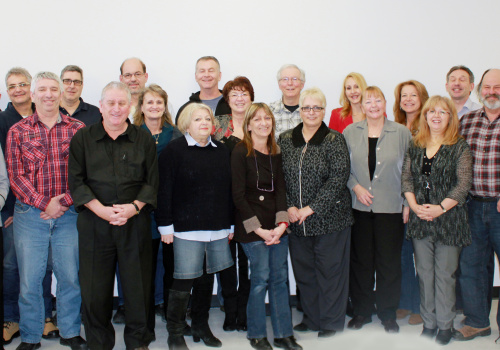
(459, 84)
(72, 104)
(291, 80)
(207, 74)
(18, 82)
(133, 74)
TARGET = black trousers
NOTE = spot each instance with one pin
(321, 269)
(235, 285)
(377, 239)
(101, 245)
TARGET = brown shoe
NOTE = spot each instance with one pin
(415, 319)
(50, 331)
(469, 333)
(10, 331)
(402, 313)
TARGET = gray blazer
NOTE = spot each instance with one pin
(391, 149)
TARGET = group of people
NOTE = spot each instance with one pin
(233, 186)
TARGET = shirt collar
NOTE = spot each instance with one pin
(98, 132)
(61, 118)
(192, 142)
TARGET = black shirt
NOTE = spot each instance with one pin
(86, 113)
(112, 171)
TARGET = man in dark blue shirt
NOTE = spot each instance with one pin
(72, 104)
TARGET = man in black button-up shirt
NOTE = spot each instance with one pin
(113, 178)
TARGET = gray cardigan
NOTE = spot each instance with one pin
(451, 177)
(316, 175)
(386, 184)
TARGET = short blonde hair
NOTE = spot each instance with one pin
(315, 93)
(187, 113)
(372, 91)
(451, 134)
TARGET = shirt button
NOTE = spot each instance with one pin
(378, 162)
(375, 176)
(378, 149)
(261, 198)
(369, 188)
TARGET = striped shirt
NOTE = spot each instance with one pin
(37, 160)
(483, 138)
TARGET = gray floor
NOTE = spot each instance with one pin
(372, 336)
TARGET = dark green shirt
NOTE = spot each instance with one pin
(113, 171)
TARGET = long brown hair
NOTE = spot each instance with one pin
(399, 114)
(344, 101)
(451, 134)
(247, 136)
(153, 89)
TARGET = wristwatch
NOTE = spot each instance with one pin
(444, 210)
(138, 210)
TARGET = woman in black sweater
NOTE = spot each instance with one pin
(259, 195)
(195, 207)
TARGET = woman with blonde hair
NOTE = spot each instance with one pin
(350, 99)
(259, 194)
(437, 175)
(377, 147)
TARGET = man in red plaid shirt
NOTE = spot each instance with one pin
(481, 130)
(44, 217)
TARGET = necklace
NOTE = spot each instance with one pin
(272, 175)
(157, 136)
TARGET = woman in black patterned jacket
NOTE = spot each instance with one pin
(316, 166)
(437, 175)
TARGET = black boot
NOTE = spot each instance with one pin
(176, 317)
(200, 307)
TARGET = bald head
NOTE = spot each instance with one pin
(133, 74)
(489, 89)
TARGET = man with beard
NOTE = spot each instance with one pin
(481, 130)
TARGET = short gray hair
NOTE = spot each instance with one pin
(46, 75)
(289, 65)
(72, 68)
(118, 86)
(18, 71)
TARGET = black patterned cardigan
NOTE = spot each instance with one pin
(451, 177)
(321, 181)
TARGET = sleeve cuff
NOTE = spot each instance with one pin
(166, 230)
(251, 224)
(281, 216)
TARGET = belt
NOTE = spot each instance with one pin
(483, 199)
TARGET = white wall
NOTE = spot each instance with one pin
(387, 41)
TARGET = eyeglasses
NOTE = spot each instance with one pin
(128, 76)
(242, 94)
(14, 86)
(272, 174)
(441, 113)
(315, 109)
(292, 79)
(69, 82)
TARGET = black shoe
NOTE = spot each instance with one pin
(357, 322)
(302, 327)
(229, 324)
(288, 343)
(241, 327)
(119, 317)
(159, 310)
(204, 333)
(429, 332)
(28, 346)
(326, 333)
(390, 326)
(75, 343)
(443, 337)
(187, 330)
(260, 344)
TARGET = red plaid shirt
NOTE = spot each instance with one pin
(37, 160)
(483, 138)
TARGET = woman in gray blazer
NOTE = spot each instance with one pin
(437, 175)
(377, 147)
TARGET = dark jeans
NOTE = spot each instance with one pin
(484, 221)
(376, 248)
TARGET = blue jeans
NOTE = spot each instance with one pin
(268, 271)
(484, 221)
(11, 278)
(410, 290)
(33, 239)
